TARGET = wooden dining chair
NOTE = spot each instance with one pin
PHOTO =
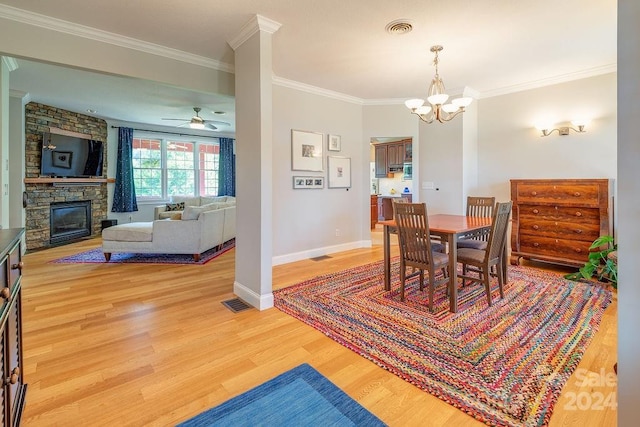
(416, 248)
(477, 207)
(482, 260)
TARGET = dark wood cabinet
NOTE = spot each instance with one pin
(390, 157)
(556, 220)
(395, 156)
(13, 386)
(374, 210)
(382, 169)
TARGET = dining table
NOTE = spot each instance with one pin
(449, 228)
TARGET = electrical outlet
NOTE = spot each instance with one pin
(337, 232)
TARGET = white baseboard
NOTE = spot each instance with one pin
(261, 302)
(312, 253)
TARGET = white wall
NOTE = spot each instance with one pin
(510, 147)
(441, 163)
(305, 221)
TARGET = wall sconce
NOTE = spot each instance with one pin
(563, 130)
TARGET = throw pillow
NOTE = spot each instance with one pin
(177, 215)
(191, 213)
(175, 207)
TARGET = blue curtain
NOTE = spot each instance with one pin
(124, 194)
(227, 169)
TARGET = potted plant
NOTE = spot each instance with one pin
(603, 263)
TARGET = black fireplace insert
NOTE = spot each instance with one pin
(69, 221)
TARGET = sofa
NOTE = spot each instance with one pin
(200, 228)
(176, 205)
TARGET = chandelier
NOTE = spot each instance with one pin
(437, 110)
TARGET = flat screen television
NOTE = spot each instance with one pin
(70, 157)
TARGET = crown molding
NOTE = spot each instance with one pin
(564, 78)
(255, 24)
(25, 96)
(54, 24)
(316, 90)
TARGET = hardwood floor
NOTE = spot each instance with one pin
(132, 345)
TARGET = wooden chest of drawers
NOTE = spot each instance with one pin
(13, 389)
(556, 220)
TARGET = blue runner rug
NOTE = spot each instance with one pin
(299, 397)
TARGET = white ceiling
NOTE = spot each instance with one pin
(490, 46)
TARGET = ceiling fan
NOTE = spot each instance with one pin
(197, 122)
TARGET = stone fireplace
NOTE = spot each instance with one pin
(69, 221)
(43, 196)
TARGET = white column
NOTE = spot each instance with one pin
(6, 66)
(628, 232)
(253, 80)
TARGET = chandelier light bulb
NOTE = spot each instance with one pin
(450, 108)
(412, 104)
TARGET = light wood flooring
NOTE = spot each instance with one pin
(134, 345)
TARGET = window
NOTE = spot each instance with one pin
(147, 167)
(163, 167)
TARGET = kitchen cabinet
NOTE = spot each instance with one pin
(374, 210)
(395, 156)
(556, 220)
(391, 157)
(381, 161)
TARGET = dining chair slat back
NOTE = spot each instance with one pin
(416, 248)
(478, 207)
(498, 234)
(492, 256)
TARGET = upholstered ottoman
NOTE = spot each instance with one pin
(135, 237)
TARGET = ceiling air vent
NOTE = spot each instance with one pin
(399, 26)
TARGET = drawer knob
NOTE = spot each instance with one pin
(17, 266)
(534, 193)
(5, 293)
(535, 227)
(578, 250)
(577, 194)
(535, 211)
(578, 231)
(536, 244)
(578, 213)
(13, 378)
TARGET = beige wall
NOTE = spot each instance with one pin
(305, 221)
(510, 147)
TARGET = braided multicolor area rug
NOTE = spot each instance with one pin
(505, 365)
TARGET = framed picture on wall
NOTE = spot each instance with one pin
(334, 143)
(306, 151)
(314, 182)
(339, 172)
(61, 159)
